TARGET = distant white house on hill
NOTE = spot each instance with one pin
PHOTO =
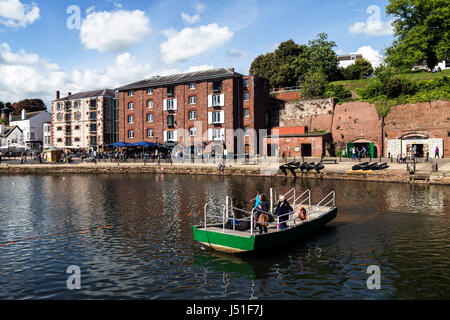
(348, 59)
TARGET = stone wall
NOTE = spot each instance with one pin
(317, 115)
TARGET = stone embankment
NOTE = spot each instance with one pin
(340, 171)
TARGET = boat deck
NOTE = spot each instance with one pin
(272, 228)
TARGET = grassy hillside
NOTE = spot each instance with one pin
(352, 85)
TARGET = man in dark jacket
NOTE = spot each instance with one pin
(283, 208)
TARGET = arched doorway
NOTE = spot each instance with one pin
(363, 144)
(421, 145)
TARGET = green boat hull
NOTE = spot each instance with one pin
(237, 244)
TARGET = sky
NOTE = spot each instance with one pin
(73, 46)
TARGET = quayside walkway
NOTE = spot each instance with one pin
(335, 168)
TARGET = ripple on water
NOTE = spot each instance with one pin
(149, 253)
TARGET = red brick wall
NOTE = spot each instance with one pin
(290, 130)
(432, 120)
(318, 144)
(356, 120)
(287, 96)
(233, 90)
(360, 120)
(182, 93)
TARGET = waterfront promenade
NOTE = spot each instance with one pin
(342, 170)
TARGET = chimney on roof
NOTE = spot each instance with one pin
(69, 94)
(24, 114)
(57, 95)
(231, 69)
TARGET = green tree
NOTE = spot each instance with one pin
(422, 32)
(338, 92)
(30, 105)
(323, 58)
(361, 69)
(289, 64)
(351, 73)
(314, 85)
(364, 68)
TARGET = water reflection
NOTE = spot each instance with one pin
(149, 252)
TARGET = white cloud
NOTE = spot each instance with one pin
(124, 70)
(374, 26)
(199, 68)
(26, 75)
(15, 14)
(191, 42)
(90, 10)
(237, 54)
(190, 19)
(372, 55)
(200, 7)
(114, 31)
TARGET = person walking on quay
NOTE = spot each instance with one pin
(353, 153)
(283, 208)
(436, 152)
(21, 158)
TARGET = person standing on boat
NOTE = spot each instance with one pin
(283, 208)
(262, 217)
(257, 200)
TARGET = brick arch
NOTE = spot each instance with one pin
(414, 135)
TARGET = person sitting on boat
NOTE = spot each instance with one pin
(283, 208)
(261, 216)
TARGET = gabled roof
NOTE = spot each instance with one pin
(9, 130)
(89, 94)
(29, 115)
(182, 78)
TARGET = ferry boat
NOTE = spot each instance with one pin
(243, 237)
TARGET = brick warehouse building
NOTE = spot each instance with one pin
(83, 120)
(200, 109)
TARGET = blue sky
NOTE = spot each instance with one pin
(120, 41)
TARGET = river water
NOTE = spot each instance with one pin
(144, 248)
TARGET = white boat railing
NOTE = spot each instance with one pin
(321, 206)
(299, 202)
(228, 212)
(292, 197)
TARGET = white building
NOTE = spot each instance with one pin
(47, 135)
(348, 59)
(444, 64)
(32, 125)
(83, 120)
(11, 138)
(422, 144)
